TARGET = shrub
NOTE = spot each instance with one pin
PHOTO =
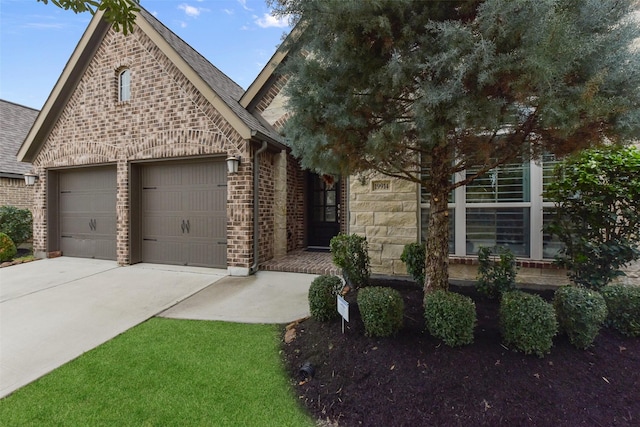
(7, 248)
(496, 277)
(322, 297)
(414, 256)
(450, 317)
(527, 322)
(623, 306)
(16, 223)
(381, 310)
(580, 312)
(351, 253)
(596, 194)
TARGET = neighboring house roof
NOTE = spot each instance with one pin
(222, 92)
(15, 122)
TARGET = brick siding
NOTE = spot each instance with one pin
(166, 118)
(14, 192)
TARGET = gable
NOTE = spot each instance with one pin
(211, 84)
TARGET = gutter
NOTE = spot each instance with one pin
(256, 207)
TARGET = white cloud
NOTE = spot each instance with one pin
(228, 11)
(243, 3)
(44, 26)
(269, 21)
(191, 11)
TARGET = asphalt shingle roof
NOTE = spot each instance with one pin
(15, 122)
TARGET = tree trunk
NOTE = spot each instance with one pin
(437, 260)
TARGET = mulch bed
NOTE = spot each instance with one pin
(414, 379)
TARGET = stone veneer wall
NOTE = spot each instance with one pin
(166, 118)
(385, 210)
(14, 192)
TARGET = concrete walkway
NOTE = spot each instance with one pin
(54, 310)
(266, 297)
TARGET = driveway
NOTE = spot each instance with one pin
(54, 310)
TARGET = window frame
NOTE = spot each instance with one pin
(124, 85)
(536, 205)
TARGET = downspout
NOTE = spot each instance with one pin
(256, 207)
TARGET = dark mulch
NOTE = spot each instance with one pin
(415, 380)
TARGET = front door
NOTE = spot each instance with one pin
(324, 211)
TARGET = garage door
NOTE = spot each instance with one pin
(87, 212)
(184, 214)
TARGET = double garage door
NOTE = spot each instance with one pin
(178, 213)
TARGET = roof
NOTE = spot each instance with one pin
(222, 92)
(15, 122)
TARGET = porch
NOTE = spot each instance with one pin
(303, 261)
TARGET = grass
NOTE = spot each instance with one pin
(166, 373)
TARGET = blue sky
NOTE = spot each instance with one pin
(37, 40)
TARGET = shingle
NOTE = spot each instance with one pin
(15, 122)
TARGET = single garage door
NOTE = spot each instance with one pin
(184, 213)
(87, 212)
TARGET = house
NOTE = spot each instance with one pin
(131, 151)
(15, 122)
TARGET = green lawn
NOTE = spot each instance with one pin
(166, 373)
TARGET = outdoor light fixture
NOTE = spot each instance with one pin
(30, 178)
(232, 164)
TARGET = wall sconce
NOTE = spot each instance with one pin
(30, 178)
(232, 164)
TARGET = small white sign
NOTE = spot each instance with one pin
(343, 308)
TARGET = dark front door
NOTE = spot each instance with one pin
(324, 211)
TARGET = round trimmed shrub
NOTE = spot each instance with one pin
(580, 312)
(322, 297)
(381, 310)
(623, 306)
(450, 317)
(7, 248)
(528, 323)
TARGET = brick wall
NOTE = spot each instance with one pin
(14, 192)
(295, 205)
(166, 118)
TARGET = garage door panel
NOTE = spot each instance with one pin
(184, 209)
(87, 212)
(159, 251)
(161, 226)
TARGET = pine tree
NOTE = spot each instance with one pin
(401, 86)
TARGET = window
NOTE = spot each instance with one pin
(124, 85)
(504, 207)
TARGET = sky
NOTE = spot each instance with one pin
(37, 40)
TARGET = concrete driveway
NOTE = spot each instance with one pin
(53, 310)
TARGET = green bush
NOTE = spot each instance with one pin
(7, 248)
(496, 277)
(596, 194)
(580, 312)
(414, 256)
(322, 297)
(350, 252)
(527, 322)
(381, 310)
(450, 317)
(623, 306)
(16, 223)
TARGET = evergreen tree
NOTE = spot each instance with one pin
(399, 87)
